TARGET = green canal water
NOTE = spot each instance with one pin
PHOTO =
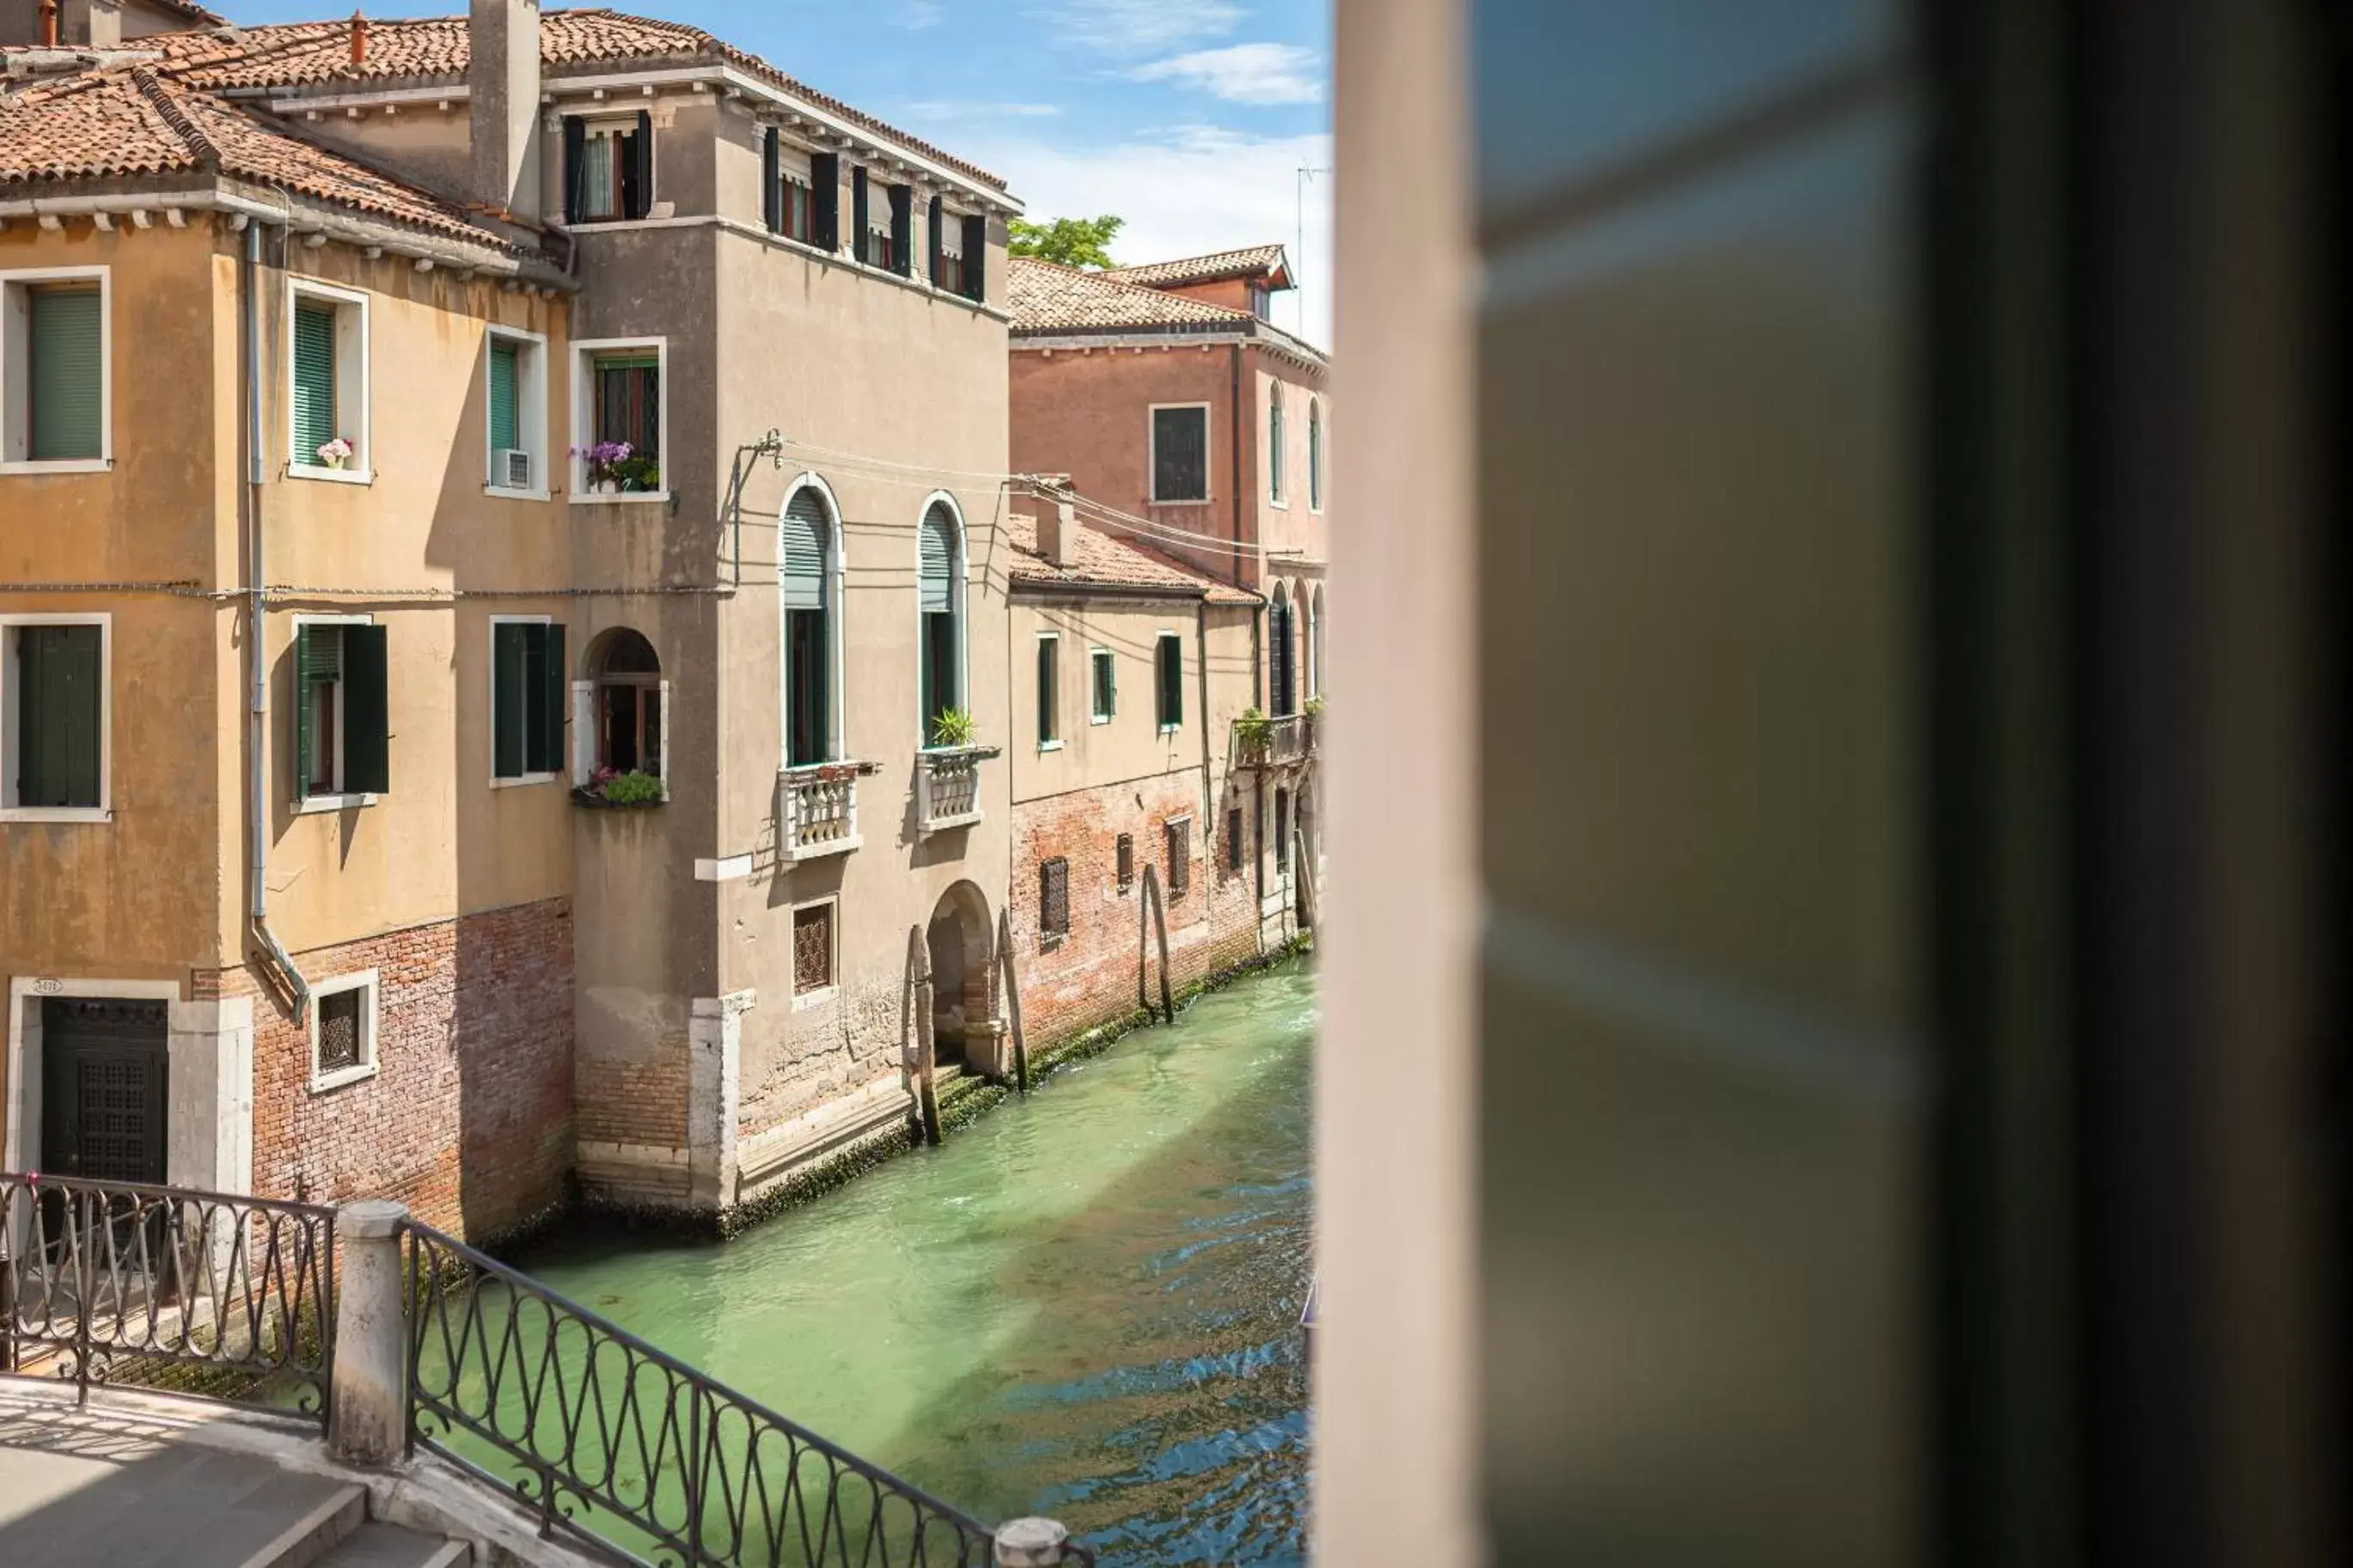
(1085, 1304)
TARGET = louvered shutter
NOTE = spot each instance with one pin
(575, 164)
(59, 716)
(68, 374)
(1048, 679)
(858, 214)
(503, 422)
(508, 704)
(825, 190)
(368, 768)
(976, 256)
(932, 221)
(804, 532)
(936, 563)
(637, 169)
(318, 660)
(552, 691)
(1171, 680)
(903, 230)
(314, 382)
(772, 188)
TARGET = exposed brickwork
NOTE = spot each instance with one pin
(1089, 977)
(469, 1117)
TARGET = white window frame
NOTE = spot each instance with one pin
(339, 800)
(1315, 439)
(1178, 638)
(958, 598)
(584, 415)
(353, 381)
(1152, 455)
(836, 596)
(613, 125)
(531, 410)
(1056, 743)
(1094, 653)
(1277, 438)
(371, 1015)
(491, 732)
(16, 369)
(104, 810)
(803, 1000)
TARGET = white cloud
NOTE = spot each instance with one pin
(1188, 192)
(919, 15)
(1138, 27)
(1245, 73)
(976, 109)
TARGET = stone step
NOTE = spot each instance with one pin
(307, 1535)
(375, 1545)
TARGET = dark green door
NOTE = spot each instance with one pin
(103, 1089)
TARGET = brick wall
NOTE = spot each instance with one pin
(1089, 977)
(468, 1116)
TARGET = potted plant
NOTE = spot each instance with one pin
(638, 474)
(605, 463)
(612, 787)
(1252, 731)
(952, 730)
(334, 454)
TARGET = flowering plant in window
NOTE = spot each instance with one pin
(611, 786)
(604, 460)
(334, 454)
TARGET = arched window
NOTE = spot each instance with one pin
(939, 607)
(628, 697)
(1282, 696)
(807, 559)
(1315, 643)
(1274, 443)
(1315, 456)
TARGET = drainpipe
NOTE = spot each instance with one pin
(1236, 442)
(255, 650)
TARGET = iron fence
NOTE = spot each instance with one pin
(200, 1293)
(635, 1454)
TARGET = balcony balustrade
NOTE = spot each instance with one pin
(1285, 741)
(817, 809)
(947, 786)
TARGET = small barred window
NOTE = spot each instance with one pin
(812, 948)
(1054, 898)
(1126, 861)
(339, 1030)
(1180, 856)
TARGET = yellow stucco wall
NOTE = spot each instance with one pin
(1131, 745)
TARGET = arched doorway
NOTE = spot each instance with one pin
(958, 939)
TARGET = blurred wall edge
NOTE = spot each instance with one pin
(1830, 1054)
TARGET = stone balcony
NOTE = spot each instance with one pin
(816, 809)
(1288, 740)
(947, 786)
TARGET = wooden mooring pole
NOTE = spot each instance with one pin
(919, 974)
(1012, 998)
(1151, 913)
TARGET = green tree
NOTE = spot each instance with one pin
(1072, 241)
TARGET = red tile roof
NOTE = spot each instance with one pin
(308, 53)
(1045, 295)
(133, 120)
(1100, 560)
(1254, 261)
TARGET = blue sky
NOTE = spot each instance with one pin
(1189, 118)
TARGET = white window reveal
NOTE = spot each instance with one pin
(342, 733)
(55, 746)
(343, 1028)
(56, 383)
(514, 385)
(620, 400)
(327, 388)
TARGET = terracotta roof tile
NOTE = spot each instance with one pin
(306, 54)
(1254, 261)
(129, 121)
(1102, 560)
(1044, 296)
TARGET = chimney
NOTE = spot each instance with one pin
(48, 23)
(503, 105)
(359, 41)
(1057, 532)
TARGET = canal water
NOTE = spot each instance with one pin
(1085, 1304)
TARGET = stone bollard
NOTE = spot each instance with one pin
(1030, 1543)
(368, 1422)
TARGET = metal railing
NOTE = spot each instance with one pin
(1284, 739)
(204, 1294)
(819, 809)
(947, 786)
(633, 1452)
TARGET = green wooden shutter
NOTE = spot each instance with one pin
(976, 256)
(68, 374)
(1046, 683)
(60, 715)
(1172, 682)
(309, 658)
(554, 691)
(314, 382)
(367, 765)
(503, 422)
(772, 186)
(804, 534)
(935, 567)
(507, 704)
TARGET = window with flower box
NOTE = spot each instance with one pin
(327, 392)
(620, 390)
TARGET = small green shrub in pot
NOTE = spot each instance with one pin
(1252, 730)
(953, 726)
(632, 789)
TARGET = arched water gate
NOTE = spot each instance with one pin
(959, 939)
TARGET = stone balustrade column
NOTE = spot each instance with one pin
(1030, 1543)
(368, 1422)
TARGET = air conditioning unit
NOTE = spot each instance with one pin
(514, 469)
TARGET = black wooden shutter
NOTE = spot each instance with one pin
(932, 221)
(903, 230)
(772, 189)
(60, 711)
(858, 214)
(554, 694)
(576, 158)
(507, 704)
(637, 172)
(976, 256)
(367, 765)
(824, 195)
